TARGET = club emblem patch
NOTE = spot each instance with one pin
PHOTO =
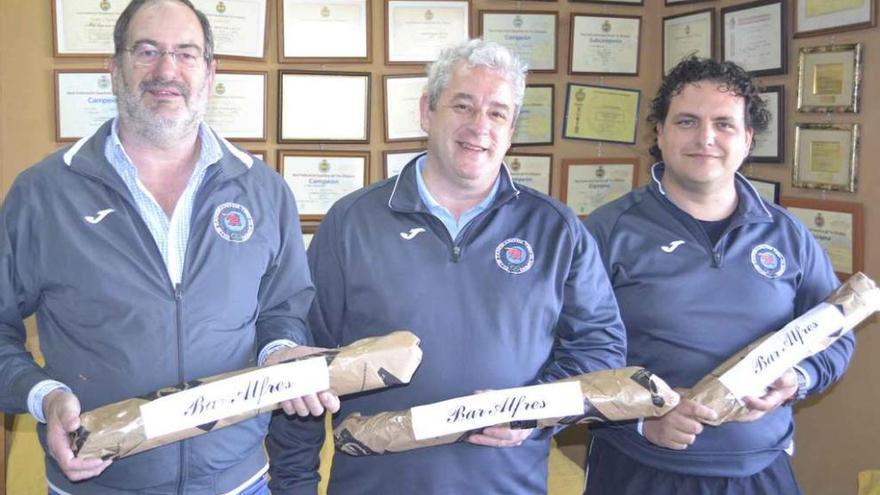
(514, 256)
(233, 222)
(768, 261)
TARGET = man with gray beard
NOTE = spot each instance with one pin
(152, 253)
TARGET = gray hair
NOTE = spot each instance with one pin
(477, 53)
(120, 31)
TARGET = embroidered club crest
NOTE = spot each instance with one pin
(233, 222)
(514, 256)
(768, 261)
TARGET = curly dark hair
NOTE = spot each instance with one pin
(728, 75)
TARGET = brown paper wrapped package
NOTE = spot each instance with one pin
(710, 392)
(609, 395)
(116, 430)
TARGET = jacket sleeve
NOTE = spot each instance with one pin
(19, 294)
(294, 444)
(286, 289)
(589, 333)
(817, 283)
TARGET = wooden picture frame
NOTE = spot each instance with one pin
(230, 115)
(92, 89)
(593, 57)
(761, 49)
(226, 45)
(319, 95)
(539, 180)
(316, 33)
(309, 183)
(843, 239)
(831, 21)
(546, 62)
(416, 53)
(771, 149)
(401, 118)
(390, 159)
(535, 125)
(768, 189)
(88, 35)
(671, 23)
(601, 113)
(826, 156)
(585, 199)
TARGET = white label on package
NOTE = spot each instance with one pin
(798, 340)
(234, 395)
(552, 400)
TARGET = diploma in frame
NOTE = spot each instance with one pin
(753, 36)
(319, 178)
(826, 156)
(769, 146)
(83, 101)
(239, 27)
(684, 35)
(395, 160)
(588, 183)
(402, 94)
(324, 31)
(534, 170)
(323, 106)
(529, 34)
(417, 30)
(601, 113)
(829, 78)
(767, 189)
(84, 27)
(238, 109)
(604, 45)
(815, 17)
(839, 228)
(534, 125)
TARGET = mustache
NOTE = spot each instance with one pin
(154, 85)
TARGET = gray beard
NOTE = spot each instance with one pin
(159, 131)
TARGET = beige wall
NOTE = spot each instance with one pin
(837, 434)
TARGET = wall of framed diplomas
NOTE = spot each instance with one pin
(318, 87)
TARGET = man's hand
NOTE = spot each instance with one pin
(500, 436)
(678, 429)
(778, 392)
(313, 404)
(61, 410)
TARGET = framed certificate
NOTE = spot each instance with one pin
(839, 228)
(604, 45)
(323, 106)
(753, 36)
(688, 34)
(239, 26)
(418, 29)
(237, 108)
(588, 183)
(814, 17)
(769, 146)
(534, 125)
(531, 169)
(319, 178)
(826, 156)
(395, 160)
(531, 35)
(84, 27)
(83, 101)
(600, 113)
(768, 189)
(829, 78)
(402, 115)
(324, 31)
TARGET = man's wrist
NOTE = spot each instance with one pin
(38, 394)
(272, 347)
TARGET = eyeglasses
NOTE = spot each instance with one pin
(148, 55)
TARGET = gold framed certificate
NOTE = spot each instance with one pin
(324, 31)
(395, 160)
(83, 101)
(688, 34)
(604, 45)
(84, 27)
(839, 228)
(319, 178)
(237, 108)
(416, 30)
(829, 78)
(239, 27)
(815, 17)
(753, 36)
(767, 189)
(769, 146)
(826, 156)
(323, 106)
(601, 113)
(534, 125)
(588, 183)
(534, 170)
(402, 115)
(529, 34)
